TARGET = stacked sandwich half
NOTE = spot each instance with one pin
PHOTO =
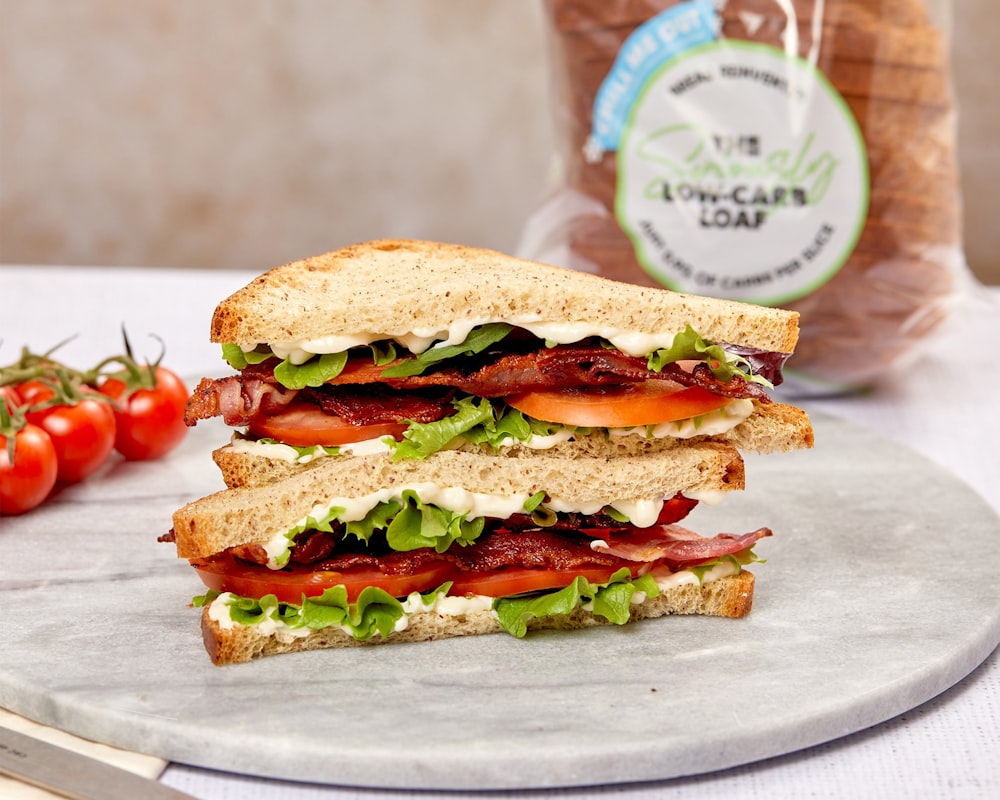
(432, 440)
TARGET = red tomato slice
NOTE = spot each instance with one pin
(517, 580)
(224, 573)
(645, 403)
(303, 425)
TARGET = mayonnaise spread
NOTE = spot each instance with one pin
(631, 342)
(640, 512)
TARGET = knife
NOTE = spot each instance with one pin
(72, 775)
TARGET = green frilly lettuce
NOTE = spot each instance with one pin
(408, 523)
(477, 421)
(689, 346)
(611, 601)
(374, 612)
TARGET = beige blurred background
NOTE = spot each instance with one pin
(246, 133)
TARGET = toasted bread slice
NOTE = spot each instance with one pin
(399, 287)
(772, 428)
(229, 643)
(256, 515)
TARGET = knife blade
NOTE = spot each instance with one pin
(72, 775)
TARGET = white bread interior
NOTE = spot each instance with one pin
(727, 597)
(256, 514)
(393, 287)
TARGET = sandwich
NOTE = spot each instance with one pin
(365, 550)
(433, 441)
(413, 347)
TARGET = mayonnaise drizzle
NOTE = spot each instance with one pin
(640, 512)
(633, 343)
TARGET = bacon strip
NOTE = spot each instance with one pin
(239, 398)
(675, 545)
(534, 549)
(370, 405)
(562, 367)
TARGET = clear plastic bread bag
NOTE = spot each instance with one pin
(793, 153)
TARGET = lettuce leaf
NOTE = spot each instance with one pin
(477, 421)
(383, 352)
(233, 355)
(375, 520)
(422, 439)
(374, 612)
(478, 340)
(314, 372)
(409, 524)
(509, 423)
(611, 600)
(688, 345)
(738, 560)
(310, 523)
(418, 524)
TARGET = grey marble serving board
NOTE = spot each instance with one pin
(878, 594)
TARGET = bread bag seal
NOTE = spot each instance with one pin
(793, 153)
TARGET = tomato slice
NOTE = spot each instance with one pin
(517, 580)
(304, 425)
(646, 403)
(224, 573)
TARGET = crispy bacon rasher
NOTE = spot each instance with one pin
(254, 391)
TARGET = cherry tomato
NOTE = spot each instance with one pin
(28, 481)
(224, 573)
(304, 424)
(150, 422)
(646, 403)
(83, 433)
(9, 395)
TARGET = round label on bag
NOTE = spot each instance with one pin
(741, 174)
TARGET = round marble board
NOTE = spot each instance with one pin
(870, 603)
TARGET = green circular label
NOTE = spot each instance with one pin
(741, 174)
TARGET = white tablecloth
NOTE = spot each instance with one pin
(946, 406)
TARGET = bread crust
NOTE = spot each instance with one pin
(392, 287)
(727, 597)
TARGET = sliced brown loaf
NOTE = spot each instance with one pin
(888, 60)
(920, 46)
(255, 515)
(727, 597)
(394, 287)
(587, 15)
